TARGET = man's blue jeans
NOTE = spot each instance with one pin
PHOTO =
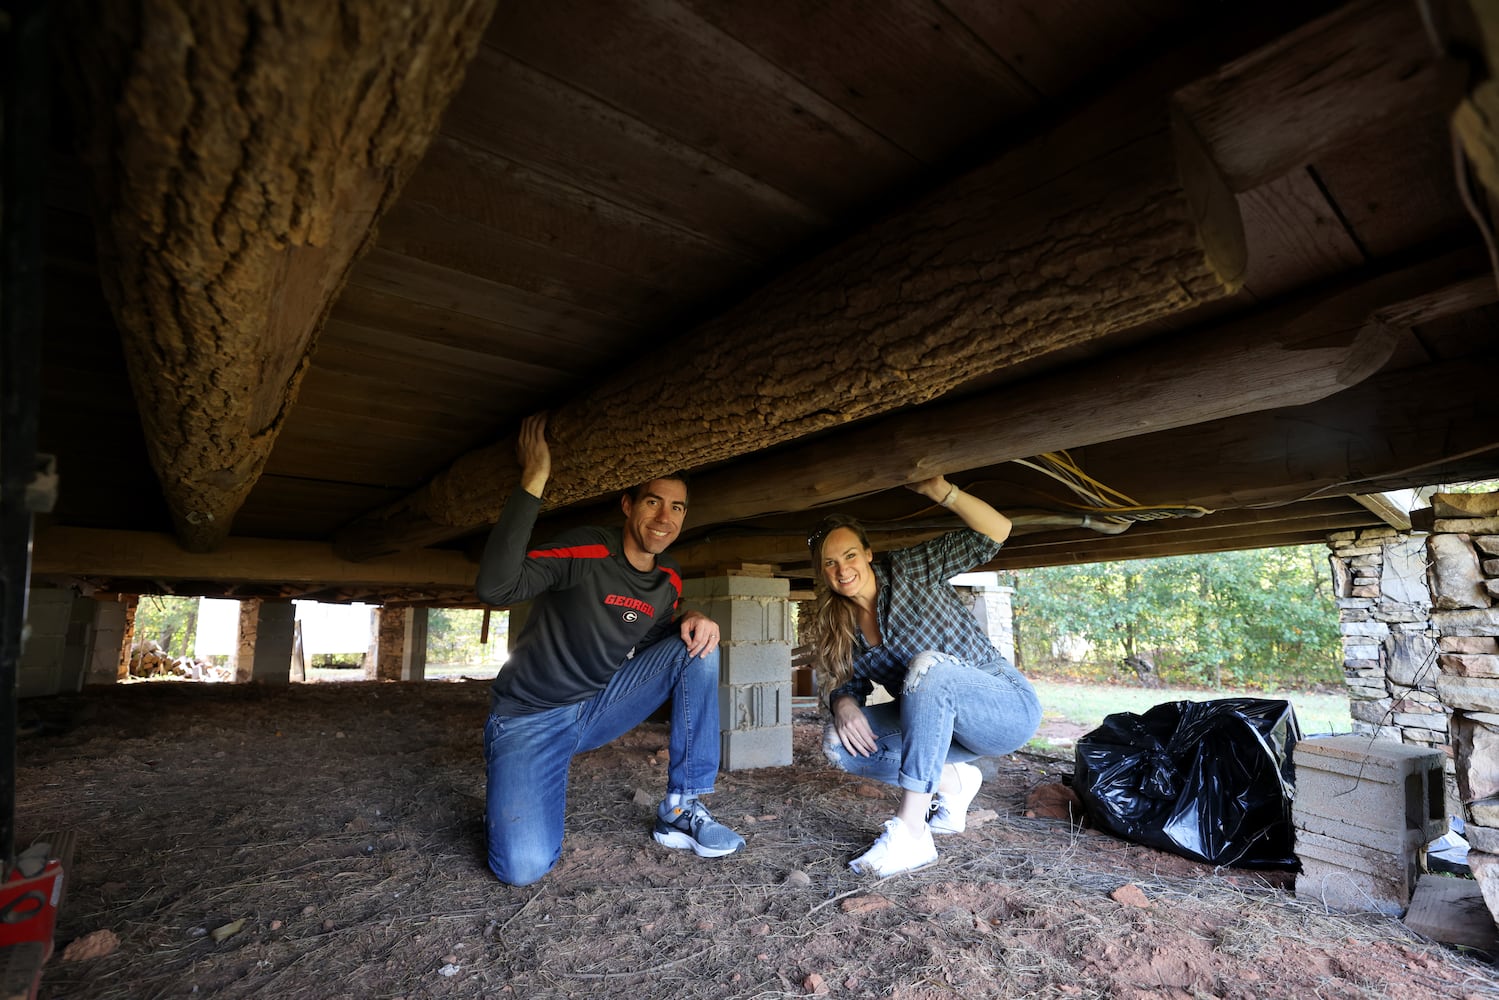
(528, 756)
(946, 711)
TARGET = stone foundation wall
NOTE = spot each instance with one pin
(1421, 650)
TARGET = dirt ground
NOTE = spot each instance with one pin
(323, 840)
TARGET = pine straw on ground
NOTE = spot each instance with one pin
(342, 824)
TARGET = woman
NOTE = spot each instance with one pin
(899, 624)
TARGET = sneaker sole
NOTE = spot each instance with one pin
(899, 871)
(682, 842)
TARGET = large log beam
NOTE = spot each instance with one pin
(242, 152)
(1287, 356)
(1026, 255)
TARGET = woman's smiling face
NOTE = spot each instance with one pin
(846, 565)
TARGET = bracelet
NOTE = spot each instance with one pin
(952, 494)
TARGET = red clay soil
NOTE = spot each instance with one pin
(323, 840)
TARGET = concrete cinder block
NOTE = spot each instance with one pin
(48, 611)
(1398, 870)
(754, 706)
(1387, 840)
(746, 748)
(1349, 890)
(754, 662)
(1371, 783)
(748, 619)
(735, 586)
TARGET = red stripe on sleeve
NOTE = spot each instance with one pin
(574, 552)
(676, 582)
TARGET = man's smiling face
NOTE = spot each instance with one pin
(653, 521)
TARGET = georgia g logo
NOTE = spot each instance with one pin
(633, 607)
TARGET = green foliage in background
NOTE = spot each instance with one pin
(453, 636)
(1260, 618)
(171, 621)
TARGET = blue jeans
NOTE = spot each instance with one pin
(947, 711)
(528, 756)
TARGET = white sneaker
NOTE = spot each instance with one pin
(950, 811)
(896, 850)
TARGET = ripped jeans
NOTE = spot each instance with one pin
(947, 710)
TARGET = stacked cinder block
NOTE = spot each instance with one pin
(1364, 811)
(754, 691)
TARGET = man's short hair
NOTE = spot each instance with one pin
(636, 492)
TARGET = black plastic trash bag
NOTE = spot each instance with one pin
(1209, 780)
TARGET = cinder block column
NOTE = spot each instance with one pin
(276, 632)
(78, 643)
(414, 648)
(111, 626)
(402, 644)
(754, 690)
(44, 667)
(993, 608)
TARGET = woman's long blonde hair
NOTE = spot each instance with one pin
(835, 618)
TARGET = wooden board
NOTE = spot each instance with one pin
(672, 70)
(1452, 911)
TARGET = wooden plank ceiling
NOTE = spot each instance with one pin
(305, 272)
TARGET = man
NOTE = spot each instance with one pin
(599, 653)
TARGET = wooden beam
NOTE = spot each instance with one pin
(97, 552)
(1300, 352)
(1119, 549)
(242, 152)
(1045, 540)
(1098, 227)
(1382, 506)
(1398, 429)
(1334, 78)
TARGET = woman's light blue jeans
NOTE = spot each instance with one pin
(947, 711)
(528, 756)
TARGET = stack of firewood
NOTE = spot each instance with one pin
(148, 659)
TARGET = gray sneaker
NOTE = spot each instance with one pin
(690, 827)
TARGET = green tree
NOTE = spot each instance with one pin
(453, 636)
(171, 621)
(1263, 617)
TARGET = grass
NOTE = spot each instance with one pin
(1087, 704)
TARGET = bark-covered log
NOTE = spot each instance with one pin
(1024, 256)
(1289, 355)
(242, 152)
